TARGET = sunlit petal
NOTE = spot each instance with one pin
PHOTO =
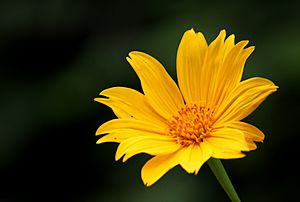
(129, 103)
(194, 156)
(156, 167)
(159, 88)
(190, 57)
(244, 99)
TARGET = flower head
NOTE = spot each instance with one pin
(187, 125)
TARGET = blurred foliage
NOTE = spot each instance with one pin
(56, 56)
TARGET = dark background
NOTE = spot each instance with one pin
(57, 55)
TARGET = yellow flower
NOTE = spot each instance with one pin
(187, 125)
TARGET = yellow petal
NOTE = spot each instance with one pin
(114, 137)
(130, 126)
(212, 64)
(159, 88)
(228, 45)
(250, 131)
(129, 103)
(190, 57)
(150, 143)
(150, 146)
(244, 99)
(226, 140)
(226, 154)
(156, 167)
(234, 62)
(251, 144)
(230, 74)
(138, 141)
(194, 156)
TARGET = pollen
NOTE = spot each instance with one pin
(192, 124)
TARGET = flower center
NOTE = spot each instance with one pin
(192, 124)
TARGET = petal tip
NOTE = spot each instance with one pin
(101, 130)
(222, 33)
(131, 55)
(146, 182)
(99, 141)
(134, 54)
(128, 58)
(192, 30)
(118, 156)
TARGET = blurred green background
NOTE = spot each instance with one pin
(57, 55)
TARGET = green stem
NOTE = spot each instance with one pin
(221, 175)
